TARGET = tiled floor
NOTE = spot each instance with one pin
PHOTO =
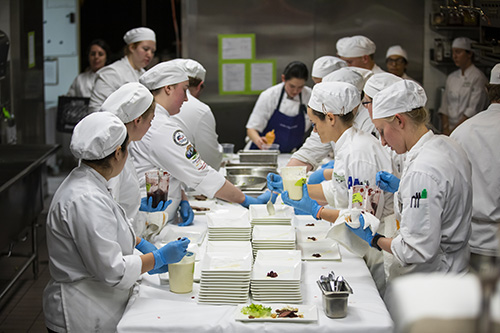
(21, 309)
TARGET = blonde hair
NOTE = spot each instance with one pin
(418, 116)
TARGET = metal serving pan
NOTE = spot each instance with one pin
(259, 156)
(248, 182)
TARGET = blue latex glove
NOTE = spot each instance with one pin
(328, 165)
(387, 182)
(260, 200)
(364, 234)
(171, 253)
(299, 212)
(187, 213)
(145, 247)
(317, 177)
(147, 205)
(305, 204)
(274, 182)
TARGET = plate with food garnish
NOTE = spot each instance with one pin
(326, 249)
(296, 313)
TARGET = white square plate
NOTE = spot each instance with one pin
(194, 233)
(285, 270)
(282, 212)
(229, 246)
(226, 262)
(307, 234)
(271, 232)
(309, 313)
(328, 249)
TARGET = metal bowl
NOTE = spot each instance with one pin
(248, 182)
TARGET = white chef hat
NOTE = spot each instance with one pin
(402, 96)
(138, 35)
(355, 46)
(192, 68)
(163, 74)
(495, 75)
(462, 43)
(335, 97)
(97, 136)
(128, 102)
(347, 75)
(396, 50)
(379, 82)
(325, 65)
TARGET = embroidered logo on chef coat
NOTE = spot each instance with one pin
(191, 152)
(179, 138)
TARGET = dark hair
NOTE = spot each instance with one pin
(102, 44)
(194, 81)
(296, 69)
(347, 119)
(104, 162)
(493, 92)
(126, 49)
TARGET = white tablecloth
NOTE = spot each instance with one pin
(153, 308)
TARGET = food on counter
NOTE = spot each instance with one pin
(316, 255)
(312, 238)
(200, 209)
(288, 312)
(200, 197)
(256, 311)
(310, 225)
(272, 274)
(270, 137)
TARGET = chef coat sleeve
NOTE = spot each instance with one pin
(206, 141)
(181, 160)
(420, 232)
(107, 81)
(262, 111)
(478, 97)
(94, 232)
(313, 151)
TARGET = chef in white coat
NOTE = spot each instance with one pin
(139, 51)
(98, 55)
(313, 151)
(358, 51)
(479, 137)
(396, 60)
(325, 65)
(135, 106)
(196, 118)
(90, 240)
(434, 198)
(358, 158)
(465, 93)
(166, 146)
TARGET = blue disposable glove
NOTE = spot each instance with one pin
(145, 247)
(187, 213)
(305, 204)
(317, 177)
(328, 165)
(364, 234)
(387, 182)
(274, 182)
(171, 253)
(299, 212)
(260, 200)
(147, 205)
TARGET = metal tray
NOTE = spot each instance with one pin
(248, 182)
(260, 171)
(258, 156)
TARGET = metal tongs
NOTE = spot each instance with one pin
(331, 284)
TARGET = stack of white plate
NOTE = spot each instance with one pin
(286, 268)
(225, 278)
(228, 226)
(273, 237)
(315, 245)
(259, 215)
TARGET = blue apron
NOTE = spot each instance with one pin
(289, 131)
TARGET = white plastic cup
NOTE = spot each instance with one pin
(293, 179)
(227, 148)
(272, 146)
(180, 275)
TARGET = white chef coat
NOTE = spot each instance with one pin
(268, 101)
(110, 78)
(479, 137)
(313, 151)
(433, 236)
(166, 147)
(82, 84)
(91, 261)
(464, 95)
(198, 123)
(377, 70)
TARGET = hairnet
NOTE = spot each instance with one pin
(192, 68)
(128, 102)
(379, 82)
(495, 75)
(347, 75)
(97, 136)
(355, 46)
(325, 65)
(338, 98)
(163, 74)
(402, 96)
(138, 35)
(462, 43)
(396, 50)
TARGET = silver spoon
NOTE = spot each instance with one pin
(339, 283)
(270, 207)
(331, 277)
(325, 281)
